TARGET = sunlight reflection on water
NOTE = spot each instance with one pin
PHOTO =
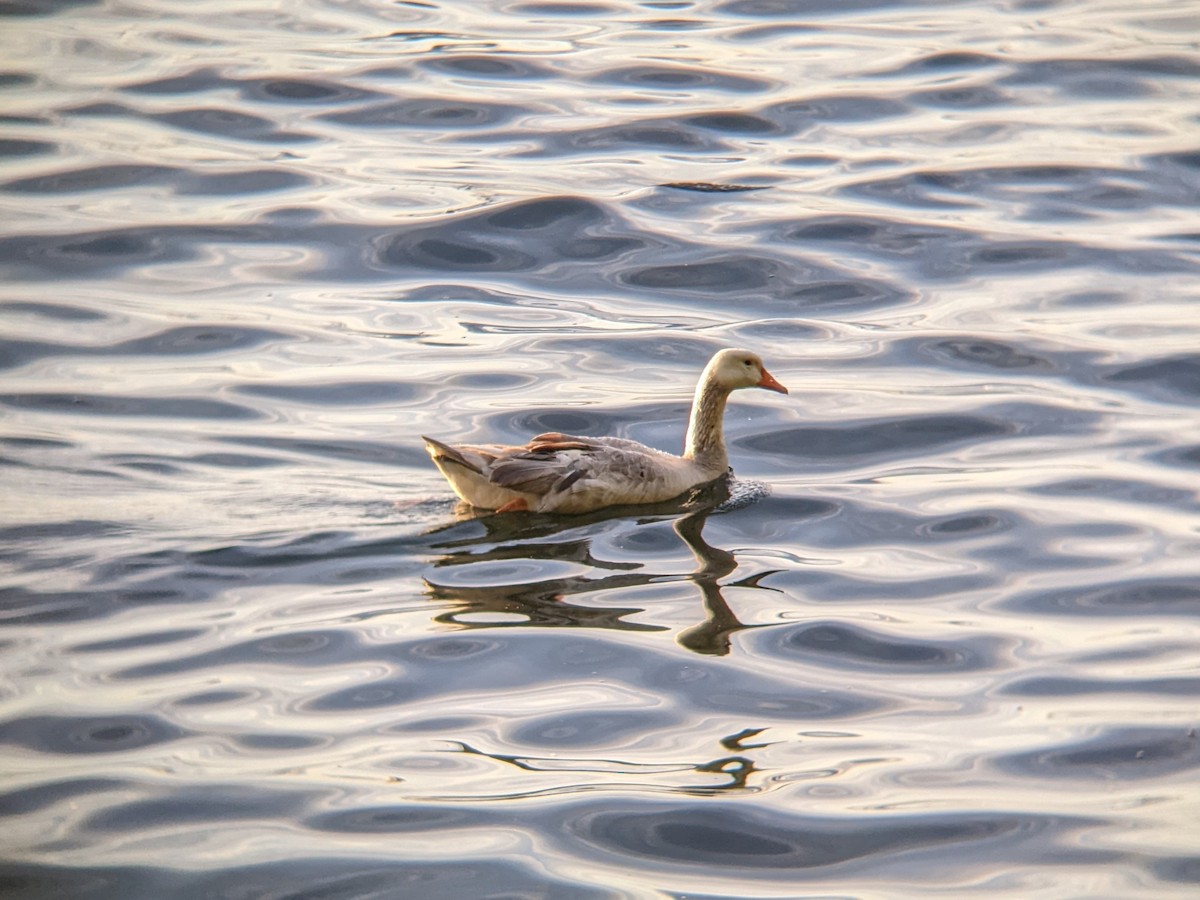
(940, 639)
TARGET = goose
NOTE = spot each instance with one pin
(569, 474)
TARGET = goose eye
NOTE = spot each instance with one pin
(747, 362)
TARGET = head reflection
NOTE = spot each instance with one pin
(492, 567)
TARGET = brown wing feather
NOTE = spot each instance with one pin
(554, 440)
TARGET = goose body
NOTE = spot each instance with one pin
(564, 473)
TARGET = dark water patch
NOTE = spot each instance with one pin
(513, 658)
(538, 603)
(228, 123)
(720, 275)
(973, 97)
(1015, 254)
(674, 79)
(194, 805)
(193, 82)
(133, 642)
(535, 215)
(833, 294)
(181, 181)
(490, 381)
(706, 187)
(89, 734)
(474, 66)
(1040, 193)
(398, 819)
(188, 340)
(215, 121)
(373, 452)
(980, 353)
(313, 877)
(733, 123)
(233, 461)
(1181, 869)
(21, 147)
(1119, 489)
(711, 690)
(798, 115)
(215, 698)
(833, 643)
(268, 555)
(41, 7)
(797, 510)
(23, 606)
(675, 356)
(427, 112)
(967, 526)
(23, 801)
(643, 135)
(572, 420)
(596, 728)
(520, 236)
(943, 62)
(15, 79)
(345, 394)
(1155, 651)
(452, 648)
(93, 253)
(1174, 378)
(1188, 159)
(295, 90)
(802, 9)
(921, 190)
(1103, 77)
(63, 530)
(181, 341)
(1062, 686)
(121, 406)
(1142, 597)
(1125, 754)
(304, 90)
(769, 284)
(371, 695)
(809, 160)
(846, 444)
(932, 250)
(279, 743)
(239, 182)
(734, 838)
(1187, 457)
(567, 9)
(299, 649)
(142, 463)
(437, 725)
(61, 312)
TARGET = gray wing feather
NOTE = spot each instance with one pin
(533, 473)
(559, 462)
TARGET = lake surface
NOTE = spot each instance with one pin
(941, 638)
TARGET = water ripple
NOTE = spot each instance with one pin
(250, 256)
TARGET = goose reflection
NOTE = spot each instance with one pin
(532, 543)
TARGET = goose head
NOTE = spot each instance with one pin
(734, 369)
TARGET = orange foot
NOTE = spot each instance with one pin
(517, 505)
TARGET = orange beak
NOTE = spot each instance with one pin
(768, 381)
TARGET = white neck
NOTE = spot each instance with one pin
(706, 434)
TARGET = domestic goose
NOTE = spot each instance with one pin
(563, 473)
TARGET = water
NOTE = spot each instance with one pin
(942, 638)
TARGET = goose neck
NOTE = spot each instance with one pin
(706, 435)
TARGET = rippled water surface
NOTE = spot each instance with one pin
(941, 640)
